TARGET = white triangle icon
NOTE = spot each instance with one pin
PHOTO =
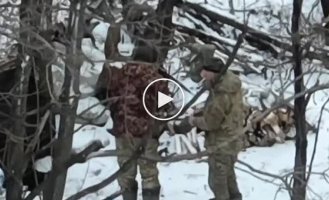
(163, 99)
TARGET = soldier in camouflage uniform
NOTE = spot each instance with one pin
(222, 120)
(132, 125)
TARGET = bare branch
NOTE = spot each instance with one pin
(74, 158)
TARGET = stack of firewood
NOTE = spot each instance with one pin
(275, 126)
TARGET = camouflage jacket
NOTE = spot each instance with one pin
(222, 117)
(125, 88)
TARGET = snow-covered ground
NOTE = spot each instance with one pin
(187, 180)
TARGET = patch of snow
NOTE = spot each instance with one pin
(43, 165)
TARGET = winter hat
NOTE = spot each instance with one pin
(214, 65)
(135, 12)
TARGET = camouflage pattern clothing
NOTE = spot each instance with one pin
(125, 89)
(148, 169)
(222, 120)
(131, 123)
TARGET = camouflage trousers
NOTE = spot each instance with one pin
(221, 178)
(148, 169)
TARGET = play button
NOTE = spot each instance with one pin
(163, 99)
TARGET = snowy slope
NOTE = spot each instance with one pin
(187, 180)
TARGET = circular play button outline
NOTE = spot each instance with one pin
(163, 79)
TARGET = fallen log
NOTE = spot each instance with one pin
(221, 47)
(258, 39)
(7, 64)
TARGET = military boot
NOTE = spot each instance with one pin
(237, 196)
(130, 193)
(151, 194)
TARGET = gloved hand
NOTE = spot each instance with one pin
(170, 128)
(183, 126)
(191, 119)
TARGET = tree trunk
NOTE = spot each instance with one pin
(299, 177)
(165, 10)
(16, 164)
(69, 103)
(325, 9)
(232, 11)
(15, 158)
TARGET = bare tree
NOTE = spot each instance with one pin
(37, 33)
(19, 158)
(325, 10)
(69, 100)
(31, 133)
(299, 187)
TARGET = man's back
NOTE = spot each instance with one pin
(126, 87)
(132, 126)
